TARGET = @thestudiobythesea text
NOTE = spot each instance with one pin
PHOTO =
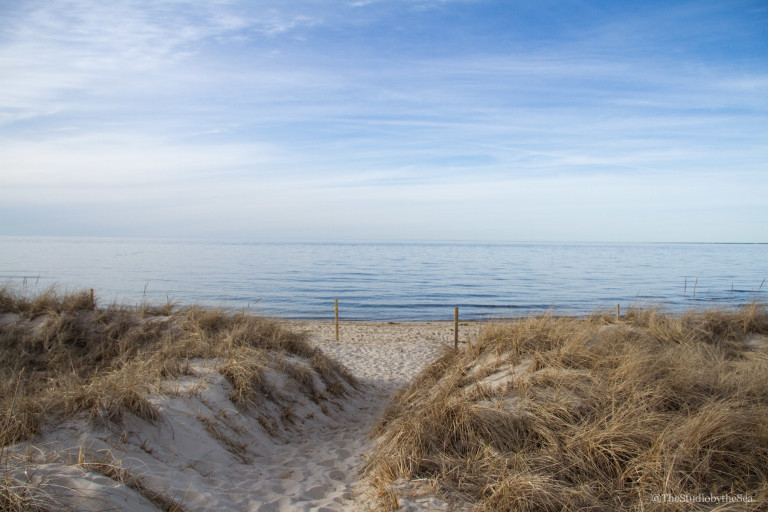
(701, 498)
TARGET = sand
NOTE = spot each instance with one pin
(209, 455)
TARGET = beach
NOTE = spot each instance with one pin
(195, 409)
(327, 458)
(387, 355)
(318, 467)
(203, 452)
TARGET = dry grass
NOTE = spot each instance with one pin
(60, 356)
(550, 413)
(50, 300)
(106, 464)
(20, 494)
(236, 448)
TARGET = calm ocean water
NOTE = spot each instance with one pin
(391, 281)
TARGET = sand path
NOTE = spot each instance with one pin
(318, 468)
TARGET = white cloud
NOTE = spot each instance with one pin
(56, 50)
(109, 163)
(218, 112)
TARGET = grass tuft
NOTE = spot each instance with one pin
(108, 465)
(22, 494)
(61, 356)
(549, 413)
(50, 300)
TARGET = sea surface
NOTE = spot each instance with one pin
(391, 281)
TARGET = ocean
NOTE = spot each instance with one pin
(387, 281)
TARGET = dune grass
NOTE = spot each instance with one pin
(650, 412)
(61, 355)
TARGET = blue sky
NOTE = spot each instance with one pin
(385, 119)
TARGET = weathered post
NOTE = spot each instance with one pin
(336, 310)
(456, 328)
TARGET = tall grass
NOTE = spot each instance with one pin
(50, 300)
(60, 355)
(549, 413)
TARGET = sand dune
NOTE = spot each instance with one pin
(205, 453)
(193, 409)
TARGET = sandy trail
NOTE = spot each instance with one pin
(322, 462)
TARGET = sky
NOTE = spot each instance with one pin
(568, 120)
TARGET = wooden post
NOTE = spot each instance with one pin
(456, 328)
(336, 310)
(93, 304)
(618, 312)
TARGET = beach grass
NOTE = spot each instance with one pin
(652, 411)
(649, 411)
(61, 356)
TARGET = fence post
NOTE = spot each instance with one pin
(336, 310)
(456, 328)
(93, 304)
(618, 315)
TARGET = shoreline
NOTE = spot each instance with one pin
(377, 332)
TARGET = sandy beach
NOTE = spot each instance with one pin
(310, 463)
(386, 355)
(160, 408)
(324, 459)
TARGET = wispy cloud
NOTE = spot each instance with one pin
(373, 118)
(57, 52)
